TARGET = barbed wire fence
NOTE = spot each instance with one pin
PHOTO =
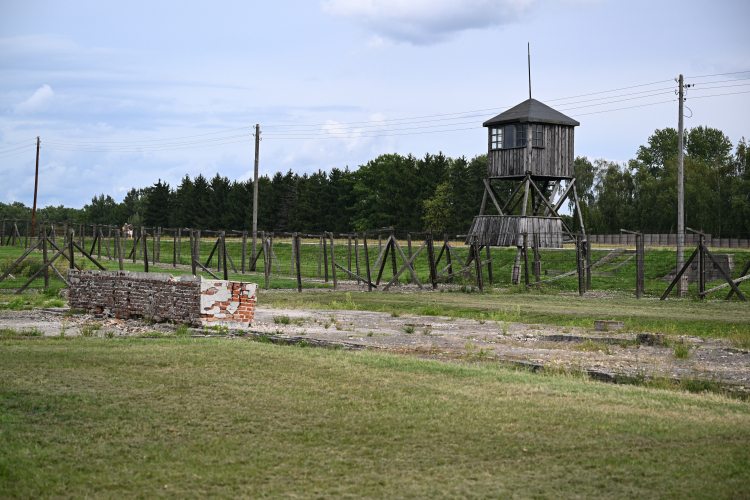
(387, 259)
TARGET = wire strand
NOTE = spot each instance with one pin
(17, 143)
(19, 153)
(719, 74)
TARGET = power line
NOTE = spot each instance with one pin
(345, 123)
(83, 149)
(344, 130)
(721, 86)
(342, 126)
(723, 81)
(19, 153)
(719, 95)
(397, 132)
(719, 74)
(156, 140)
(155, 147)
(20, 147)
(17, 143)
(607, 91)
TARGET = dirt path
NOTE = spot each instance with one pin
(609, 354)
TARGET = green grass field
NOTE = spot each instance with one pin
(199, 418)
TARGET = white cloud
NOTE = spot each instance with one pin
(37, 102)
(426, 21)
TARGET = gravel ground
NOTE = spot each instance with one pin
(610, 354)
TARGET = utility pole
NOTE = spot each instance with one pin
(36, 185)
(680, 193)
(255, 195)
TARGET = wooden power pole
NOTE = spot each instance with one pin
(680, 192)
(255, 195)
(36, 185)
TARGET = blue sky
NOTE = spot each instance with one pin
(126, 80)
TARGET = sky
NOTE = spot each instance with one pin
(123, 94)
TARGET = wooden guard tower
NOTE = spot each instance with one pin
(533, 144)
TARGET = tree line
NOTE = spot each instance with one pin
(444, 194)
(642, 193)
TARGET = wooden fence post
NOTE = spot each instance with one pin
(267, 260)
(244, 251)
(296, 242)
(192, 253)
(536, 266)
(198, 245)
(579, 266)
(292, 260)
(220, 253)
(393, 254)
(174, 248)
(431, 259)
(224, 255)
(408, 247)
(325, 254)
(2, 234)
(333, 261)
(320, 256)
(478, 263)
(349, 254)
(489, 264)
(144, 239)
(70, 249)
(367, 262)
(526, 258)
(118, 242)
(588, 262)
(43, 234)
(179, 245)
(639, 266)
(446, 246)
(701, 267)
(109, 241)
(356, 254)
(158, 245)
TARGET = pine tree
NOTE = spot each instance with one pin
(183, 205)
(158, 206)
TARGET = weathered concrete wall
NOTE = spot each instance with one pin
(185, 299)
(725, 260)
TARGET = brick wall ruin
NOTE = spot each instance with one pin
(162, 297)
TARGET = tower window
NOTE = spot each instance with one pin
(537, 136)
(515, 136)
(496, 138)
(509, 136)
(520, 136)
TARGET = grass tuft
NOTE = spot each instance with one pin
(682, 350)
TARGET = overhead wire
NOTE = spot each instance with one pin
(17, 143)
(20, 147)
(162, 141)
(19, 153)
(381, 128)
(719, 74)
(342, 126)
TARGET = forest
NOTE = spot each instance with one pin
(443, 194)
